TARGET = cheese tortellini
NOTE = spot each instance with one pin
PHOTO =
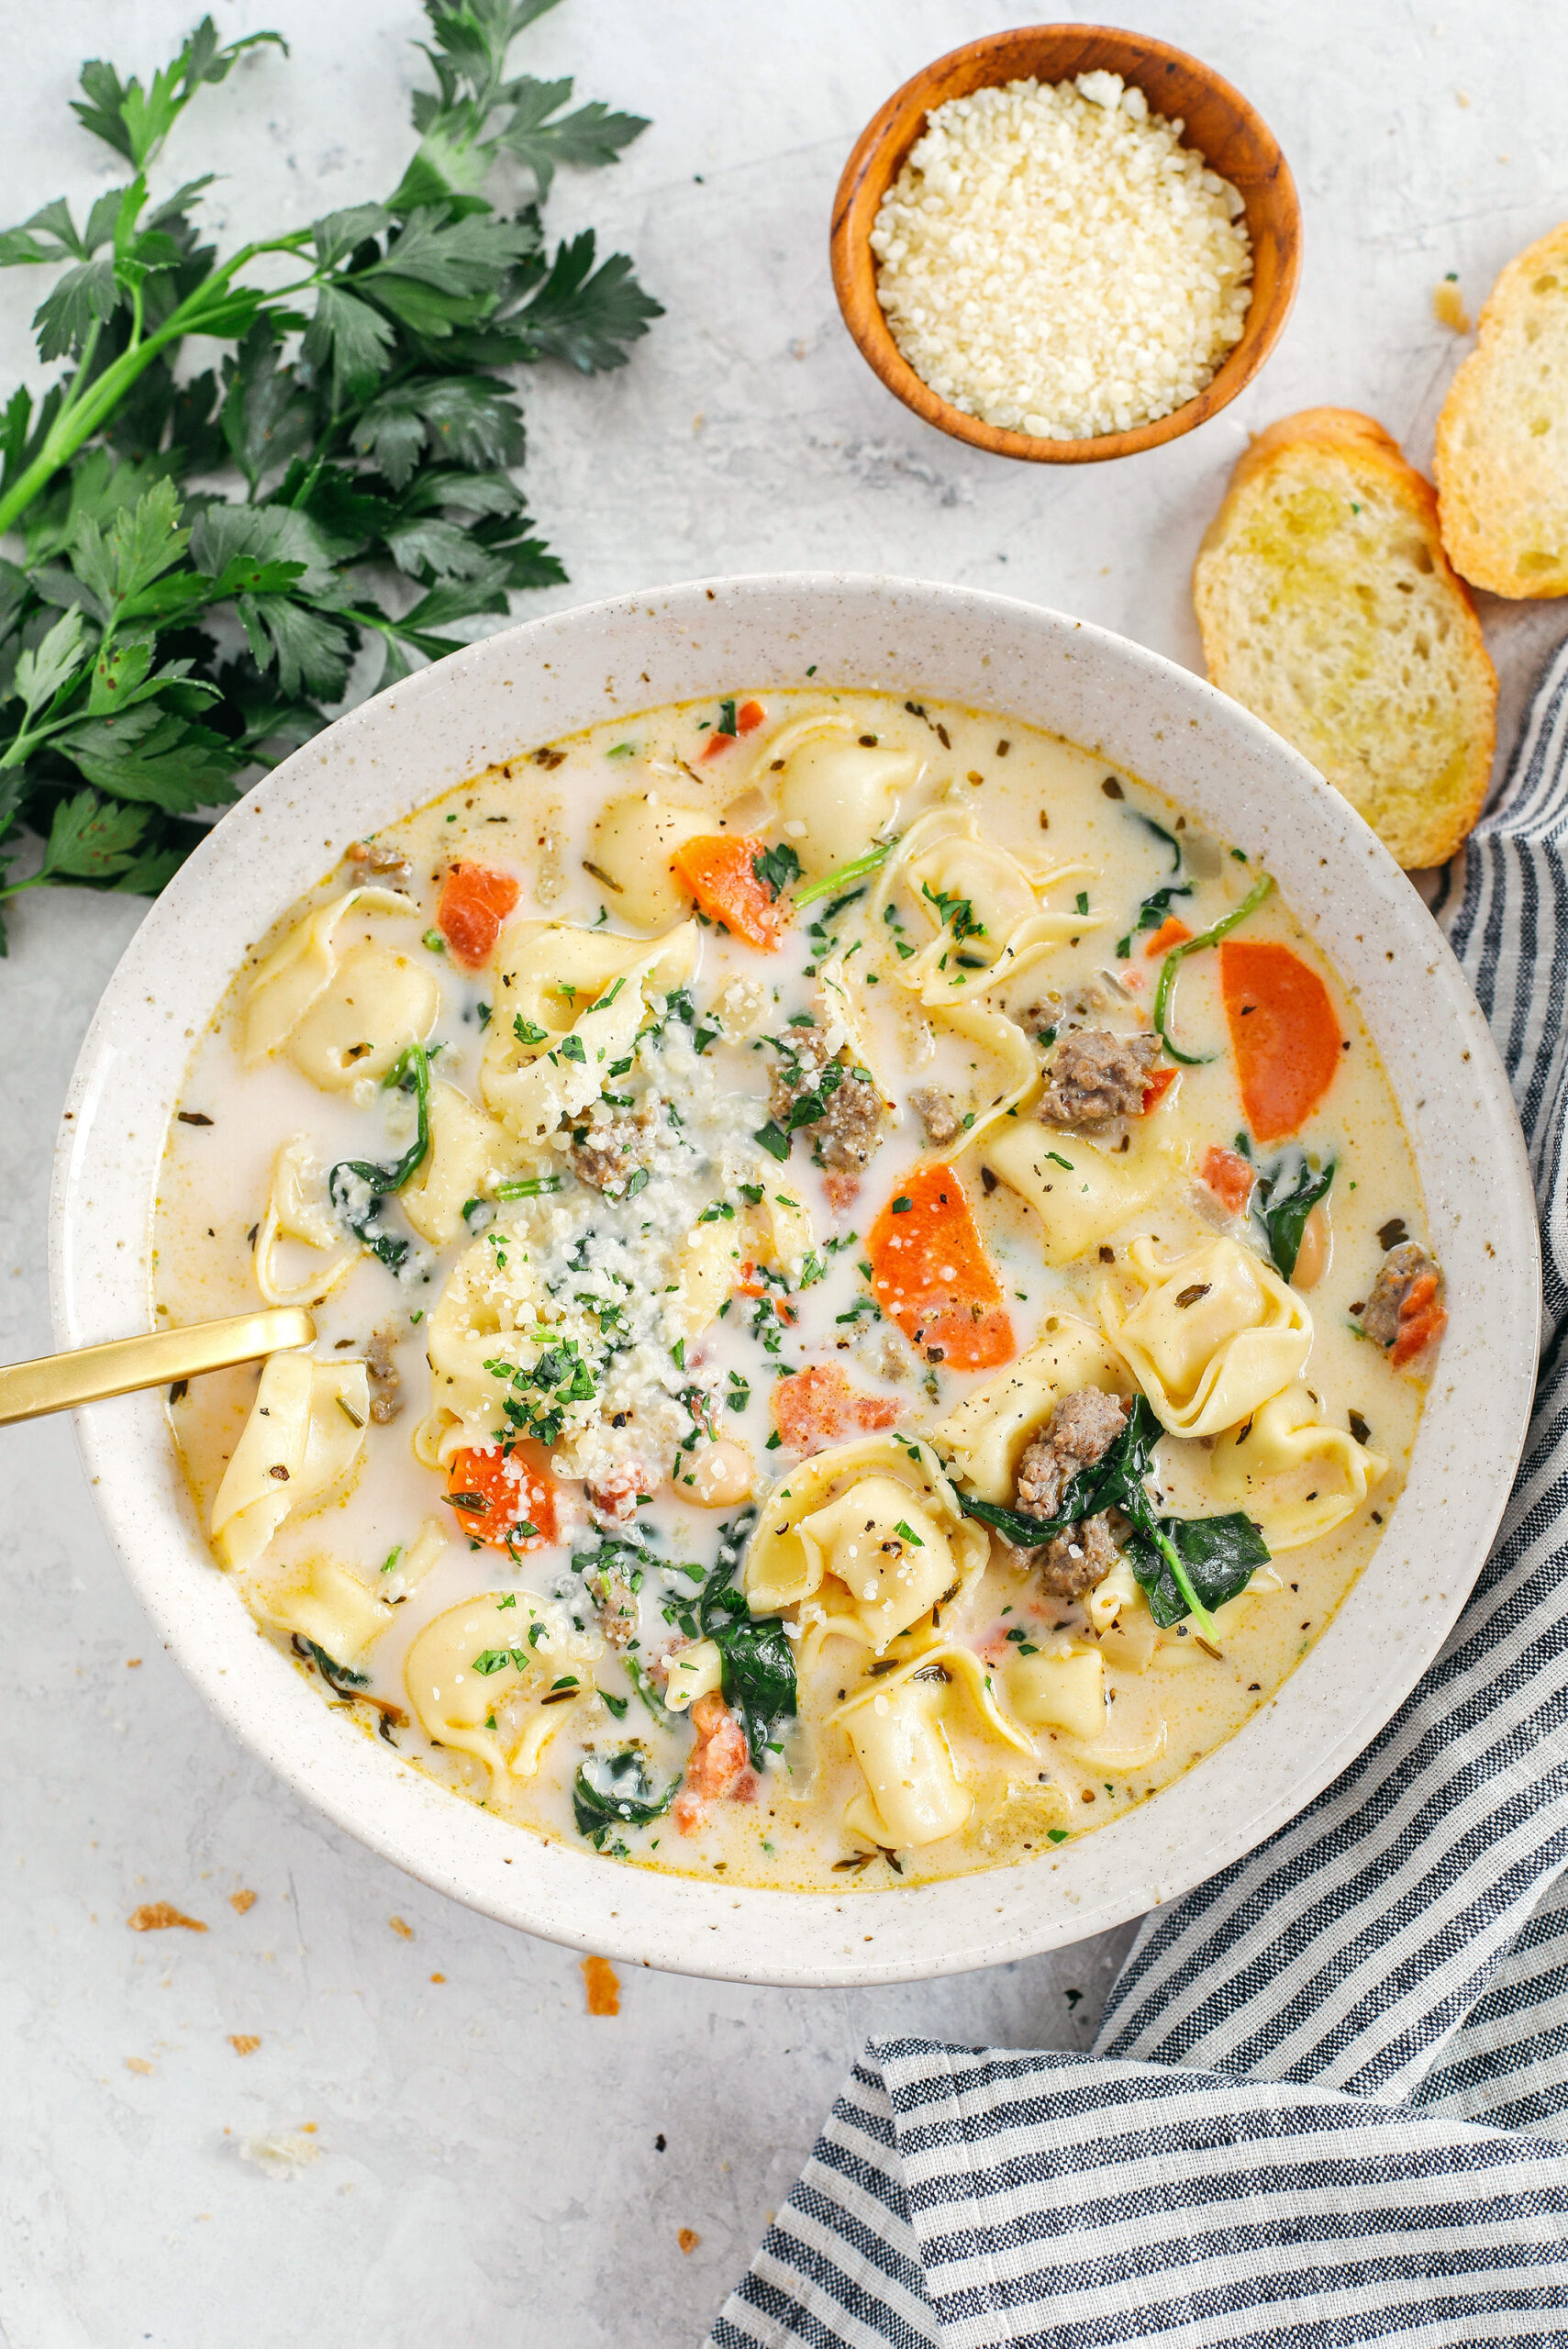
(632, 844)
(329, 1605)
(343, 1014)
(1062, 1689)
(487, 1312)
(983, 903)
(495, 1676)
(302, 1440)
(299, 1217)
(870, 1534)
(835, 793)
(898, 1729)
(986, 1437)
(467, 1151)
(1081, 1193)
(1284, 1448)
(569, 1004)
(776, 1231)
(1215, 1335)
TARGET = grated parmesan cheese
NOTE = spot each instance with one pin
(1053, 261)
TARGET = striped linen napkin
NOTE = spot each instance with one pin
(1329, 2101)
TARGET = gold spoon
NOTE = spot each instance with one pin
(92, 1374)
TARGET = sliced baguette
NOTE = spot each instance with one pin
(1502, 458)
(1327, 606)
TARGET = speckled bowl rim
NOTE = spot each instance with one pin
(1145, 716)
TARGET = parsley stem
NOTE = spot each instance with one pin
(1178, 954)
(846, 874)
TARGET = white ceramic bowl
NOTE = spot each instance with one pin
(1146, 716)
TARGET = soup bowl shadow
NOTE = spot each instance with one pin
(496, 701)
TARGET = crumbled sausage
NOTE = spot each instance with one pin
(615, 1603)
(1404, 1313)
(1080, 1431)
(939, 1113)
(386, 1400)
(608, 1155)
(1076, 1561)
(382, 859)
(1095, 1076)
(844, 1112)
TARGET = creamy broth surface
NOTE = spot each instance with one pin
(715, 1240)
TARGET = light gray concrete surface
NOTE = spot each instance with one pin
(491, 2164)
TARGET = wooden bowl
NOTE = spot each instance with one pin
(1230, 135)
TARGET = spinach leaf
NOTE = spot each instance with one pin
(616, 1790)
(409, 1073)
(1284, 1212)
(757, 1663)
(1165, 988)
(1193, 1563)
(1218, 1552)
(1153, 910)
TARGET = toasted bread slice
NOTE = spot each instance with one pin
(1502, 460)
(1329, 607)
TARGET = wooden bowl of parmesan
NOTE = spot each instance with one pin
(1066, 242)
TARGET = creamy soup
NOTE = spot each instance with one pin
(870, 1290)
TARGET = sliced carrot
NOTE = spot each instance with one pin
(721, 874)
(930, 1273)
(819, 1406)
(1423, 1317)
(473, 903)
(505, 1498)
(1173, 931)
(1230, 1176)
(747, 718)
(1285, 1033)
(1159, 1085)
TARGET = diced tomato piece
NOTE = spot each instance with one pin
(1159, 1085)
(717, 1764)
(473, 903)
(1173, 931)
(819, 1406)
(1422, 1320)
(503, 1497)
(1285, 1033)
(1230, 1176)
(930, 1273)
(721, 874)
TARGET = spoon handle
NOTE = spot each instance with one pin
(91, 1373)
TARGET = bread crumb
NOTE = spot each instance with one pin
(404, 1932)
(604, 1989)
(157, 1915)
(1461, 97)
(438, 1977)
(243, 2043)
(131, 1662)
(137, 2064)
(241, 1901)
(688, 2240)
(279, 2153)
(1448, 307)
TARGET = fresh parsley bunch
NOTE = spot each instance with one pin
(198, 560)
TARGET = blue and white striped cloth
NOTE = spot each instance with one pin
(1329, 2101)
